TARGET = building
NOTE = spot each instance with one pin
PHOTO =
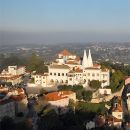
(116, 117)
(12, 75)
(41, 79)
(14, 70)
(69, 69)
(60, 99)
(127, 85)
(128, 96)
(14, 94)
(7, 108)
(13, 79)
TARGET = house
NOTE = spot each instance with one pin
(12, 74)
(60, 99)
(116, 116)
(17, 95)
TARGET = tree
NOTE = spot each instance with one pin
(7, 123)
(36, 64)
(77, 88)
(72, 105)
(87, 95)
(116, 80)
(79, 95)
(49, 121)
(95, 84)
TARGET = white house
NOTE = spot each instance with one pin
(13, 74)
(15, 70)
(41, 79)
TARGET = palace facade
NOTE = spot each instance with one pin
(69, 69)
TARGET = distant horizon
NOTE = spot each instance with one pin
(59, 37)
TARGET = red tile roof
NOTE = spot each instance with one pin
(65, 53)
(54, 96)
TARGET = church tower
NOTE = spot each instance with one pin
(90, 61)
(85, 60)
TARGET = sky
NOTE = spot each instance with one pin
(65, 21)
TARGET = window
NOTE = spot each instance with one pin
(58, 74)
(62, 74)
(66, 74)
(43, 77)
(54, 73)
(50, 73)
(93, 74)
(97, 74)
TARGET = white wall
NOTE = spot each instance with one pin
(118, 115)
(56, 78)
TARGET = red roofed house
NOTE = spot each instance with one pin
(117, 114)
(60, 99)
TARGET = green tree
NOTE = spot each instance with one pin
(87, 95)
(116, 80)
(7, 123)
(79, 95)
(95, 84)
(36, 64)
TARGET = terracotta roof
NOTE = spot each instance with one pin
(59, 66)
(54, 96)
(77, 58)
(118, 108)
(96, 65)
(65, 53)
(78, 70)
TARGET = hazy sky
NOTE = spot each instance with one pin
(64, 20)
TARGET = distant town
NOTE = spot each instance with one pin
(101, 51)
(65, 87)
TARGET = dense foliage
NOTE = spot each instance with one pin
(117, 75)
(95, 84)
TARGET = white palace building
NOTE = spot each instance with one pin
(71, 70)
